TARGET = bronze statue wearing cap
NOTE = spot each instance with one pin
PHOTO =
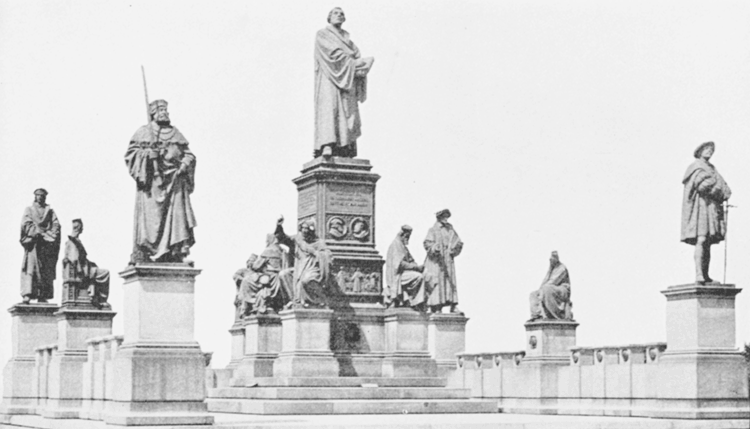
(40, 238)
(703, 222)
(442, 245)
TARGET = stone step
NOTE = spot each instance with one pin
(337, 381)
(364, 406)
(338, 393)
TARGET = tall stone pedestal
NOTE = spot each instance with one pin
(65, 372)
(262, 347)
(339, 194)
(306, 344)
(32, 325)
(703, 373)
(446, 338)
(407, 353)
(159, 370)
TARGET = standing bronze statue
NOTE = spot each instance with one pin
(442, 245)
(340, 84)
(163, 167)
(703, 222)
(40, 238)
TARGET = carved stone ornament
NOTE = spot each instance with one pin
(337, 227)
(360, 229)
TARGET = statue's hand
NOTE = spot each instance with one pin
(280, 221)
(183, 169)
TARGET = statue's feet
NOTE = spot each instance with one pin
(455, 310)
(327, 151)
(26, 299)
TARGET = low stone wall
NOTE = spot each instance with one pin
(611, 380)
(40, 376)
(98, 375)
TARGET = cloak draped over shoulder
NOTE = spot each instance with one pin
(163, 214)
(442, 245)
(338, 89)
(40, 238)
(702, 203)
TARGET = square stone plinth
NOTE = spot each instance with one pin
(65, 371)
(306, 344)
(159, 370)
(406, 338)
(550, 340)
(262, 339)
(32, 326)
(700, 316)
(446, 338)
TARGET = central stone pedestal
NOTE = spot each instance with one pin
(159, 370)
(306, 344)
(32, 325)
(339, 194)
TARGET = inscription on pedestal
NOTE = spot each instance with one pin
(307, 203)
(348, 199)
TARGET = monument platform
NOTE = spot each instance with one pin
(420, 421)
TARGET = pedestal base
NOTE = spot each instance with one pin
(306, 349)
(407, 352)
(159, 370)
(447, 338)
(550, 341)
(262, 340)
(65, 371)
(32, 325)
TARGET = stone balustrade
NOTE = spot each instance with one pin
(40, 376)
(98, 375)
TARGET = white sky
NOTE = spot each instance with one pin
(542, 126)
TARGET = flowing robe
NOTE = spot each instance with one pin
(78, 269)
(338, 89)
(403, 280)
(259, 295)
(40, 238)
(552, 299)
(702, 203)
(163, 216)
(312, 268)
(442, 245)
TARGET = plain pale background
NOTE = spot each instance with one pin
(542, 125)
